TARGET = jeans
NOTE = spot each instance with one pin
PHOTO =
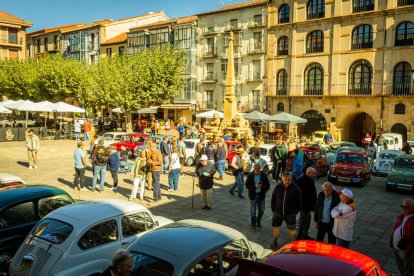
(323, 229)
(79, 176)
(342, 243)
(165, 163)
(114, 175)
(77, 136)
(406, 265)
(274, 169)
(239, 179)
(281, 167)
(221, 167)
(139, 180)
(125, 167)
(87, 136)
(259, 204)
(207, 197)
(96, 171)
(156, 185)
(173, 177)
(304, 224)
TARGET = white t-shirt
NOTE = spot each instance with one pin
(175, 161)
(77, 127)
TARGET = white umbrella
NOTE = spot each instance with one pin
(147, 111)
(65, 108)
(4, 110)
(46, 104)
(286, 118)
(26, 106)
(8, 102)
(209, 114)
(117, 110)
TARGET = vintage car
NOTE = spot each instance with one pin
(266, 163)
(110, 138)
(317, 136)
(394, 141)
(332, 148)
(312, 152)
(232, 147)
(7, 180)
(190, 145)
(154, 138)
(385, 161)
(130, 142)
(312, 258)
(401, 176)
(351, 166)
(342, 149)
(192, 247)
(411, 144)
(81, 239)
(21, 207)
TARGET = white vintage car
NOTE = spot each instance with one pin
(190, 145)
(110, 138)
(80, 239)
(265, 161)
(385, 161)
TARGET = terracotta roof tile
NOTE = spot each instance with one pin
(172, 21)
(237, 6)
(6, 17)
(55, 29)
(121, 38)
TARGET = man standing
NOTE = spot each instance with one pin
(100, 157)
(402, 237)
(297, 169)
(199, 150)
(237, 166)
(182, 153)
(327, 200)
(257, 185)
(344, 215)
(205, 172)
(80, 164)
(33, 146)
(87, 131)
(306, 184)
(113, 166)
(282, 157)
(366, 140)
(285, 204)
(221, 160)
(77, 127)
(273, 159)
(327, 138)
(166, 152)
(155, 162)
(209, 151)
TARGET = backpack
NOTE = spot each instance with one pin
(180, 128)
(101, 155)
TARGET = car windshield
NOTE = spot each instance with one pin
(407, 163)
(148, 265)
(318, 135)
(189, 144)
(387, 156)
(351, 158)
(127, 138)
(52, 230)
(108, 137)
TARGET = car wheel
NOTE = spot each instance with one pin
(190, 161)
(364, 182)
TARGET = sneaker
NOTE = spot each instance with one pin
(231, 192)
(83, 189)
(253, 229)
(114, 189)
(30, 167)
(242, 197)
(91, 188)
(35, 167)
(208, 208)
(170, 190)
(259, 225)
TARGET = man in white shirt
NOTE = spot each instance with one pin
(77, 128)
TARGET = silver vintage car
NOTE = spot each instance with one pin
(385, 161)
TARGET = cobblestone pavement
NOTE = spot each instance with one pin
(376, 209)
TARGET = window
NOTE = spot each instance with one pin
(257, 38)
(405, 34)
(256, 99)
(136, 223)
(314, 42)
(38, 46)
(55, 43)
(280, 107)
(17, 214)
(362, 37)
(12, 37)
(402, 79)
(283, 46)
(232, 251)
(184, 36)
(258, 20)
(209, 71)
(238, 93)
(281, 83)
(46, 43)
(316, 9)
(257, 75)
(147, 265)
(360, 76)
(405, 3)
(209, 265)
(121, 50)
(362, 5)
(49, 204)
(209, 99)
(210, 46)
(92, 41)
(314, 79)
(54, 231)
(159, 37)
(233, 24)
(109, 52)
(284, 14)
(100, 234)
(399, 109)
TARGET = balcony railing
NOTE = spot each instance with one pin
(361, 45)
(230, 26)
(282, 52)
(361, 6)
(314, 48)
(405, 3)
(255, 76)
(185, 97)
(236, 50)
(255, 105)
(208, 105)
(284, 19)
(256, 48)
(10, 40)
(210, 53)
(403, 89)
(256, 22)
(210, 77)
(404, 40)
(212, 29)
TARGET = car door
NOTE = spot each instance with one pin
(135, 224)
(237, 248)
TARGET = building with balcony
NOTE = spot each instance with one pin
(116, 45)
(179, 33)
(343, 65)
(248, 22)
(84, 43)
(12, 36)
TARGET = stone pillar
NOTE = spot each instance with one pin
(230, 99)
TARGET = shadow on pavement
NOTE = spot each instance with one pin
(24, 164)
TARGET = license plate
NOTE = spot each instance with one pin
(25, 267)
(344, 179)
(405, 187)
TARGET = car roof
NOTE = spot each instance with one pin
(409, 156)
(6, 177)
(358, 152)
(175, 242)
(96, 210)
(137, 134)
(15, 194)
(115, 132)
(391, 151)
(320, 258)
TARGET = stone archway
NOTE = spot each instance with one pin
(316, 121)
(358, 126)
(400, 129)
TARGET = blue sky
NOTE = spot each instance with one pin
(49, 13)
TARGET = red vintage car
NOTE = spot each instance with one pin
(312, 258)
(351, 167)
(312, 152)
(232, 149)
(130, 141)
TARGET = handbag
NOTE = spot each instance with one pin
(171, 163)
(403, 243)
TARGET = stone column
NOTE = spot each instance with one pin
(230, 99)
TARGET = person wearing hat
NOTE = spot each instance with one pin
(344, 215)
(237, 166)
(205, 172)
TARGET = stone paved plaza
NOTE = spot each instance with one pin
(376, 209)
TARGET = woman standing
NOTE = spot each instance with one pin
(205, 172)
(344, 215)
(175, 168)
(139, 171)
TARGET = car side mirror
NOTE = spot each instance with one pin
(253, 255)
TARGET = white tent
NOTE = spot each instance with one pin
(26, 106)
(117, 110)
(8, 102)
(4, 110)
(209, 114)
(65, 108)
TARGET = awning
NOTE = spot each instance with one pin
(176, 106)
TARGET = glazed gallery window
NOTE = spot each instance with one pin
(184, 36)
(281, 83)
(314, 42)
(404, 34)
(402, 81)
(362, 37)
(283, 46)
(314, 79)
(284, 13)
(362, 5)
(315, 9)
(360, 77)
(159, 37)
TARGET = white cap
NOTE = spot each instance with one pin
(203, 157)
(346, 192)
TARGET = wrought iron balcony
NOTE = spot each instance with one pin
(255, 77)
(256, 22)
(233, 26)
(316, 13)
(256, 48)
(403, 89)
(210, 53)
(362, 6)
(405, 3)
(209, 30)
(361, 45)
(210, 77)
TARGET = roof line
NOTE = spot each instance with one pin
(239, 6)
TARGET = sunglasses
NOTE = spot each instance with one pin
(405, 207)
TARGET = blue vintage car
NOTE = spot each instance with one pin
(155, 138)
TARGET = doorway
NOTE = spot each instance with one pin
(316, 121)
(360, 125)
(400, 129)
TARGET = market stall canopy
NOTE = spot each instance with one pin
(286, 118)
(8, 102)
(45, 103)
(26, 106)
(147, 111)
(117, 110)
(65, 108)
(209, 114)
(4, 110)
(256, 116)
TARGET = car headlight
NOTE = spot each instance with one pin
(358, 171)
